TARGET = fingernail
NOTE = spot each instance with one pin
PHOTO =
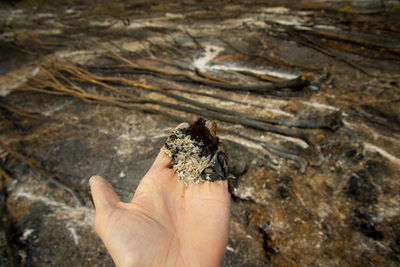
(93, 180)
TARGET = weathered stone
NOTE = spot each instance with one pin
(325, 193)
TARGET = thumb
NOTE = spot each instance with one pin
(103, 194)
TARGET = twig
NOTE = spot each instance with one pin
(214, 96)
(133, 102)
(124, 81)
(209, 77)
(261, 77)
(384, 46)
(331, 121)
(199, 46)
(235, 120)
(295, 84)
(314, 46)
(269, 59)
(19, 112)
(302, 163)
(274, 149)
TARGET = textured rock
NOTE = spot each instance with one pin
(317, 184)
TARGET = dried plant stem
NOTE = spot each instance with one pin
(295, 84)
(275, 150)
(127, 100)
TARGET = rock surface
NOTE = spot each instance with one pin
(305, 95)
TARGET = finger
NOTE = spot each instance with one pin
(159, 173)
(103, 193)
(162, 161)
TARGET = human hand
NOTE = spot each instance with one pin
(167, 223)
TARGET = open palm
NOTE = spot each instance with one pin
(166, 223)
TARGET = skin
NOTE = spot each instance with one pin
(166, 223)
